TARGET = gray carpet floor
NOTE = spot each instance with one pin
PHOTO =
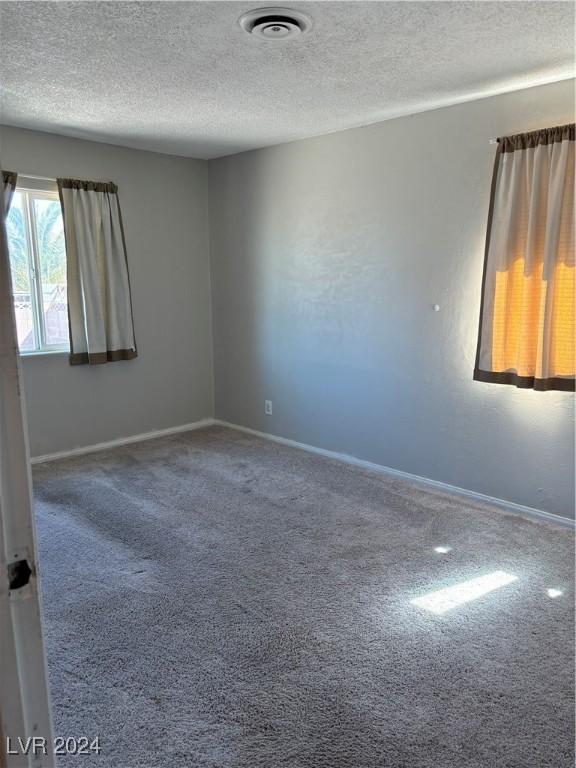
(215, 600)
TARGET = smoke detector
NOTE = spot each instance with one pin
(275, 23)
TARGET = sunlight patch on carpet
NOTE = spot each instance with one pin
(443, 600)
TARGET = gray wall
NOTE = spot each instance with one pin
(327, 258)
(164, 208)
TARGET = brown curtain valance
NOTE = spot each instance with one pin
(535, 138)
(7, 189)
(88, 186)
(9, 178)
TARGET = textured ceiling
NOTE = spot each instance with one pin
(183, 78)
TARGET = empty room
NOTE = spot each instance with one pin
(287, 372)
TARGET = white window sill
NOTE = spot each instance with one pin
(45, 353)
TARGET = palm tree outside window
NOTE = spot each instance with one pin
(38, 267)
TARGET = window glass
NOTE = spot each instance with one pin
(38, 264)
(52, 261)
(16, 227)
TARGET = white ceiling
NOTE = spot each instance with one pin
(183, 78)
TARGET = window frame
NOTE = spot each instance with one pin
(42, 189)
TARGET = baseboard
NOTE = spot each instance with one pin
(507, 506)
(121, 441)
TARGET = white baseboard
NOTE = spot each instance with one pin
(121, 441)
(507, 506)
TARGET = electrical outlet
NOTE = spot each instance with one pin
(268, 407)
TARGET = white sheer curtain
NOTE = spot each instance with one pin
(527, 320)
(99, 302)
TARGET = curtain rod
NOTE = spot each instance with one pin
(45, 178)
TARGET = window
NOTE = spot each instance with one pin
(38, 263)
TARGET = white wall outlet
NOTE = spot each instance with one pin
(268, 407)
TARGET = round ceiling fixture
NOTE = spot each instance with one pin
(275, 23)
